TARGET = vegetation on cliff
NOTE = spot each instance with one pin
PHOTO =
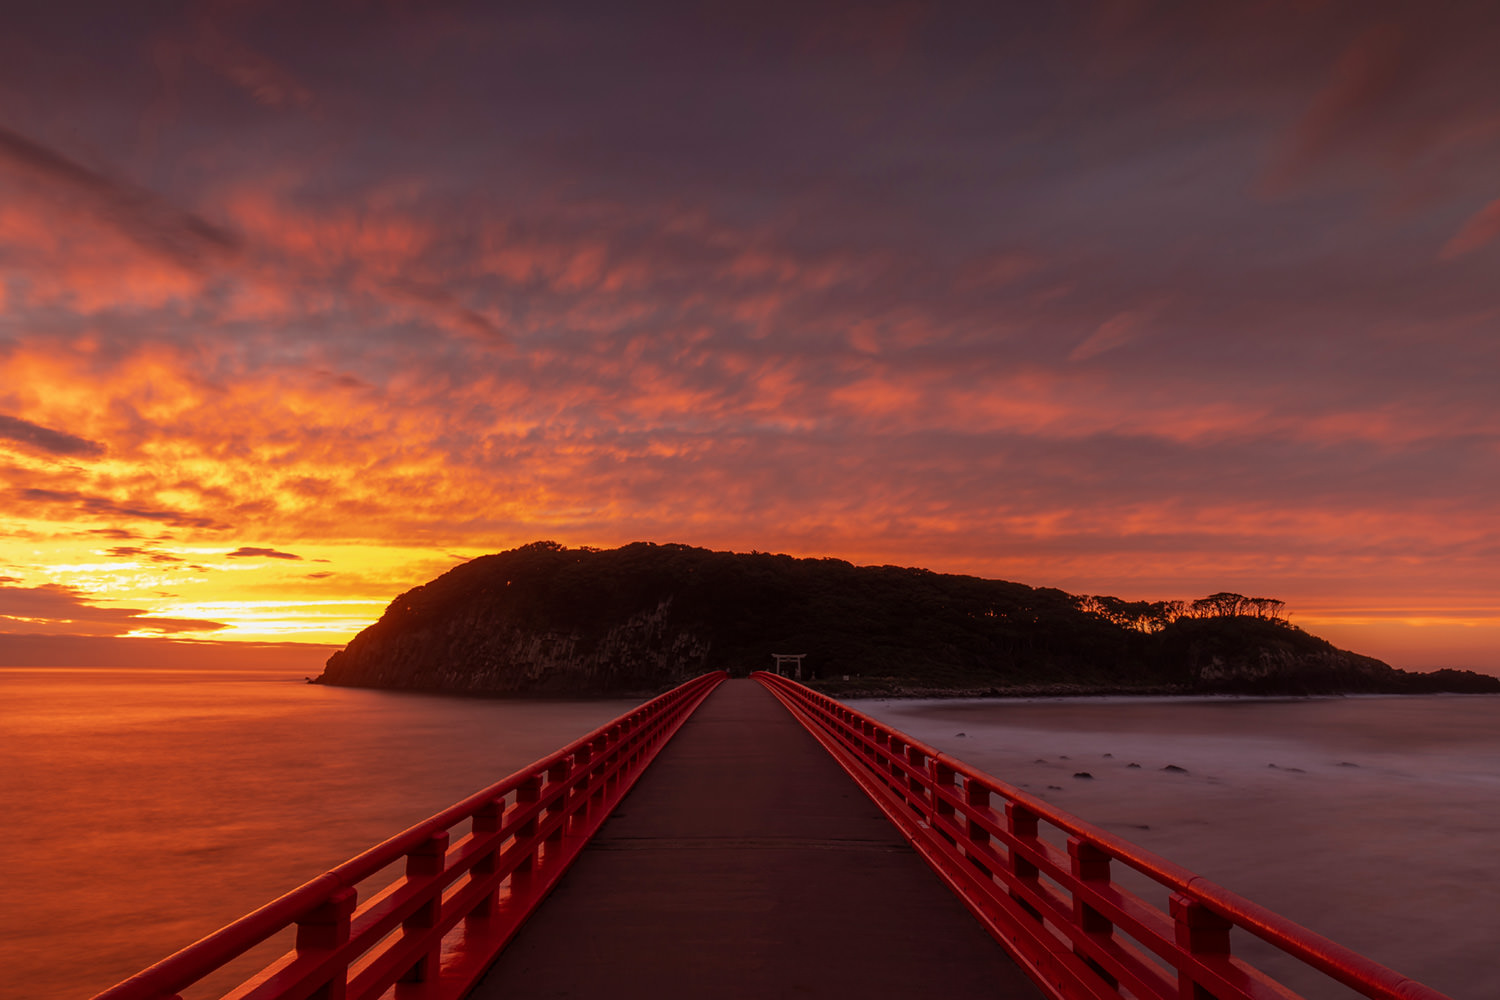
(545, 619)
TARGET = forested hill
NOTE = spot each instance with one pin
(544, 619)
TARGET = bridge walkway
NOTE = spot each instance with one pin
(746, 863)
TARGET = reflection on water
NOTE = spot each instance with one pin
(144, 809)
(1371, 820)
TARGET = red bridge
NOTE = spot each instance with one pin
(746, 863)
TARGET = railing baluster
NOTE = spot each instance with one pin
(1022, 825)
(976, 800)
(326, 928)
(601, 765)
(425, 864)
(613, 758)
(487, 819)
(895, 750)
(557, 776)
(915, 786)
(580, 784)
(528, 793)
(1089, 863)
(1200, 931)
(944, 783)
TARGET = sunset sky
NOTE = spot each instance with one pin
(303, 303)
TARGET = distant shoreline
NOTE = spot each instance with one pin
(1138, 697)
(870, 688)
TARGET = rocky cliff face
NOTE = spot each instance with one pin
(1283, 671)
(1256, 657)
(479, 652)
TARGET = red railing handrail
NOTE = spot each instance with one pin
(528, 827)
(919, 781)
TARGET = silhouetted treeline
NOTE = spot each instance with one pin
(1153, 616)
(548, 619)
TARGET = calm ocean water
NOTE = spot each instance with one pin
(1371, 820)
(145, 809)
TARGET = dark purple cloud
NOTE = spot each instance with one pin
(246, 552)
(46, 439)
(57, 610)
(116, 533)
(103, 506)
(142, 216)
(132, 551)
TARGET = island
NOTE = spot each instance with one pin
(547, 620)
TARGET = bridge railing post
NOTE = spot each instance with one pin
(557, 776)
(487, 820)
(1021, 823)
(600, 748)
(916, 784)
(528, 793)
(627, 737)
(616, 751)
(1199, 931)
(425, 864)
(582, 771)
(945, 783)
(1089, 863)
(976, 800)
(895, 750)
(326, 928)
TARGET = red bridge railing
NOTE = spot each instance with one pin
(433, 932)
(1042, 881)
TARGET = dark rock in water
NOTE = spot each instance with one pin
(1345, 763)
(960, 736)
(1083, 774)
(1064, 757)
(1175, 769)
(1040, 760)
(1108, 756)
(546, 619)
(1055, 788)
(1132, 764)
(1289, 770)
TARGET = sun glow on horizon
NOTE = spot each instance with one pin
(61, 580)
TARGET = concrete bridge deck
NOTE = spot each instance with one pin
(746, 863)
